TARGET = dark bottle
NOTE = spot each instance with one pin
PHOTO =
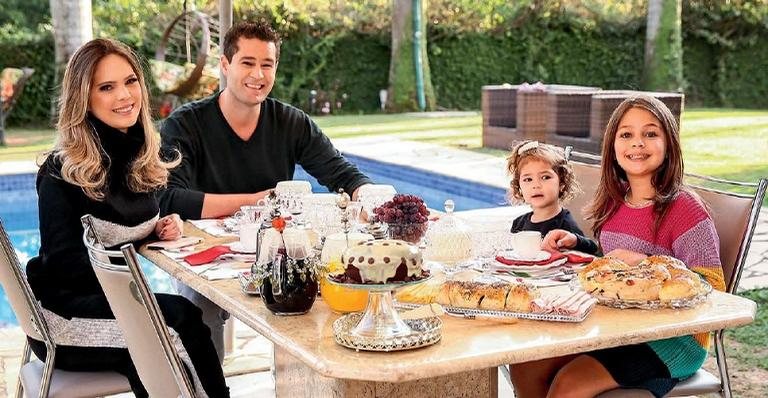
(289, 287)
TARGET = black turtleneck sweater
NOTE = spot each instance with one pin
(62, 271)
(215, 160)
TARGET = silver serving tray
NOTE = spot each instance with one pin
(426, 331)
(470, 312)
(689, 302)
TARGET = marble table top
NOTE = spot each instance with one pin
(466, 344)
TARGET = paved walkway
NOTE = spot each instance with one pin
(491, 170)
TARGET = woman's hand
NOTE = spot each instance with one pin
(628, 256)
(557, 239)
(169, 227)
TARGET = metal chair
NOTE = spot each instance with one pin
(155, 350)
(35, 377)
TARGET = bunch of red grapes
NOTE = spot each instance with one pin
(406, 216)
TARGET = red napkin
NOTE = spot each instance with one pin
(573, 258)
(576, 258)
(508, 261)
(206, 256)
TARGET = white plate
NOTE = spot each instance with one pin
(238, 247)
(513, 255)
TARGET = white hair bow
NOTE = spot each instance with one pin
(527, 147)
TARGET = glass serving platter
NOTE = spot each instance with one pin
(424, 332)
(470, 312)
(688, 302)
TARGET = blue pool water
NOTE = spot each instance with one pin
(18, 208)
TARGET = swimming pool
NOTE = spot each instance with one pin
(18, 208)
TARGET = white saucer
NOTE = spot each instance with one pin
(513, 255)
(238, 247)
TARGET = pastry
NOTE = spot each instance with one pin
(678, 288)
(662, 278)
(383, 261)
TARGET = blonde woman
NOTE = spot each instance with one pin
(106, 163)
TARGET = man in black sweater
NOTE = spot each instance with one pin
(237, 144)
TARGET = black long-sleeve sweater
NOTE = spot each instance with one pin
(62, 271)
(563, 220)
(216, 160)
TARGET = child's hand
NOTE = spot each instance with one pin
(628, 256)
(557, 239)
(169, 227)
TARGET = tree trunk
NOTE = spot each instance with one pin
(403, 94)
(663, 47)
(72, 27)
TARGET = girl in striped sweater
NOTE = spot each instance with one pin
(641, 208)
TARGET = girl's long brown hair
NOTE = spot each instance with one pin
(667, 180)
(77, 146)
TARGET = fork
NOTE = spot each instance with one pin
(209, 268)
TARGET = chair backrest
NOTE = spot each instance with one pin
(138, 315)
(19, 294)
(735, 217)
(588, 176)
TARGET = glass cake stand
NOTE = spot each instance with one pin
(379, 327)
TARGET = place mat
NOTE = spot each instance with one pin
(225, 266)
(213, 227)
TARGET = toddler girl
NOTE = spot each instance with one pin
(542, 178)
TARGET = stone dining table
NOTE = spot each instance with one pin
(309, 363)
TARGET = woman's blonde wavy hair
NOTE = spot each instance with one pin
(77, 146)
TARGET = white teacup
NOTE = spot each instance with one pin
(249, 237)
(249, 214)
(526, 244)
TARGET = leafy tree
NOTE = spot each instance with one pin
(663, 68)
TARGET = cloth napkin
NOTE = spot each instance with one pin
(207, 256)
(571, 256)
(575, 304)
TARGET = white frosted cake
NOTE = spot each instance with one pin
(382, 261)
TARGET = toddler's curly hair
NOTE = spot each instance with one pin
(526, 151)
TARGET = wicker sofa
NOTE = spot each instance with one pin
(579, 119)
(515, 112)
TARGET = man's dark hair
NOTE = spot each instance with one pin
(250, 30)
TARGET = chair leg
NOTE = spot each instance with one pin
(50, 359)
(24, 359)
(722, 365)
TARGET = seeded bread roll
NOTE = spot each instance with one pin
(519, 298)
(499, 296)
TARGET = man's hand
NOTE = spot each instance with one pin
(557, 239)
(169, 227)
(628, 256)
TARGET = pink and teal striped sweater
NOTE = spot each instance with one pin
(687, 233)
